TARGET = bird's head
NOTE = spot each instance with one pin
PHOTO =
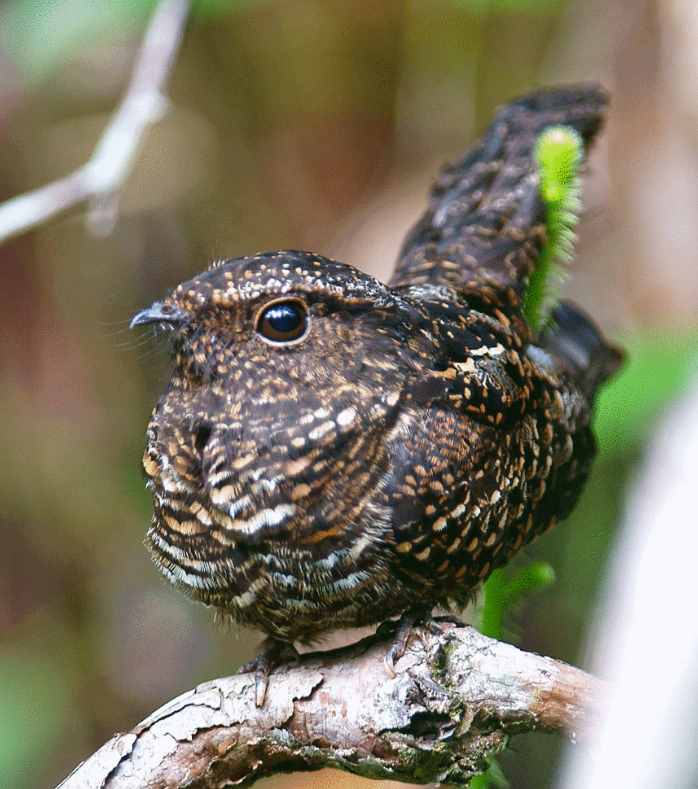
(281, 325)
(289, 368)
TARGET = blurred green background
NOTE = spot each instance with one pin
(310, 124)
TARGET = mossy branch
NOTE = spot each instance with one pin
(454, 702)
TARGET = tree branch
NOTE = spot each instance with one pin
(100, 179)
(456, 698)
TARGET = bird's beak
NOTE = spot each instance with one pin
(158, 312)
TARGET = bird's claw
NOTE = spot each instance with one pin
(407, 626)
(273, 654)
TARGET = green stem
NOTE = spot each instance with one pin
(558, 155)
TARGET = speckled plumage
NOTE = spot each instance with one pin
(415, 438)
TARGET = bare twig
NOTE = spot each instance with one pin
(456, 698)
(100, 179)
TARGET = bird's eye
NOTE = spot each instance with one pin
(283, 321)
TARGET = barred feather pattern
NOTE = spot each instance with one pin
(412, 440)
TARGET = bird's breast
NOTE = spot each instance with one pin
(263, 570)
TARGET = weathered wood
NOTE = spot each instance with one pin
(455, 700)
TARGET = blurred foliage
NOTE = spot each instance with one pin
(481, 6)
(506, 589)
(658, 367)
(40, 35)
(315, 124)
(35, 707)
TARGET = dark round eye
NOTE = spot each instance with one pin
(283, 321)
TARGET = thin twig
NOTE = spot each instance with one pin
(456, 698)
(101, 178)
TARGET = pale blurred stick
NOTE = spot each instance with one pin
(456, 698)
(100, 179)
(646, 643)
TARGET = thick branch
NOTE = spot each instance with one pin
(101, 178)
(456, 698)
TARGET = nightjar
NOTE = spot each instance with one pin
(332, 451)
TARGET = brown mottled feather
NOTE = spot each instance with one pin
(409, 442)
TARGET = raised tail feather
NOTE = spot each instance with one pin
(578, 346)
(484, 227)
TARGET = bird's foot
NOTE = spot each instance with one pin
(407, 626)
(445, 618)
(272, 655)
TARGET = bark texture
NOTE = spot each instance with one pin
(457, 697)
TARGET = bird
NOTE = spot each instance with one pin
(332, 451)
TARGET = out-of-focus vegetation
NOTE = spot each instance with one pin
(314, 124)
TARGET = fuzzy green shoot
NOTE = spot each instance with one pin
(559, 153)
(493, 778)
(503, 591)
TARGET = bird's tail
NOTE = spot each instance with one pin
(579, 347)
(485, 225)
